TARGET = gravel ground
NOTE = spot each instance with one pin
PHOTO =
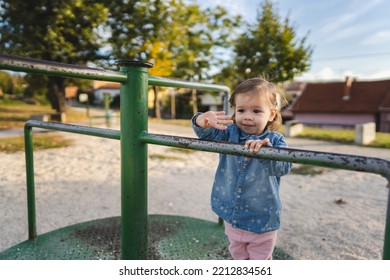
(330, 214)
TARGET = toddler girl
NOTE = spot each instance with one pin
(245, 192)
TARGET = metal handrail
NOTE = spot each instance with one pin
(134, 137)
(43, 67)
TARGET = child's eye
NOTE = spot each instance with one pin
(256, 111)
(240, 110)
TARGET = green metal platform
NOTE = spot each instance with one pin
(170, 238)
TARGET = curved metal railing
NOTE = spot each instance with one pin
(134, 137)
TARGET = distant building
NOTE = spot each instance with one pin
(214, 102)
(293, 91)
(345, 104)
(101, 87)
(71, 94)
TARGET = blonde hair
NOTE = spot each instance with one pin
(276, 97)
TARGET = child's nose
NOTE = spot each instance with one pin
(248, 117)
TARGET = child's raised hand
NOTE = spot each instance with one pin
(255, 145)
(215, 119)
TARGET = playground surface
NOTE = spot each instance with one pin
(327, 214)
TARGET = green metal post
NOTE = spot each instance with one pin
(386, 248)
(107, 101)
(29, 149)
(133, 122)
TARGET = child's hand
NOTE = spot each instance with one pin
(255, 145)
(214, 119)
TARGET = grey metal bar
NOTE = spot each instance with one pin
(29, 65)
(341, 161)
(332, 160)
(167, 82)
(78, 129)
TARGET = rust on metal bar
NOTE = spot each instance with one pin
(332, 160)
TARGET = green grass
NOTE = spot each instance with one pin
(172, 157)
(41, 141)
(171, 121)
(182, 150)
(346, 136)
(308, 170)
(14, 114)
(165, 157)
(342, 136)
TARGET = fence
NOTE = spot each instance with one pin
(134, 138)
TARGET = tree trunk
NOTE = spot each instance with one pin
(173, 104)
(194, 102)
(56, 93)
(157, 109)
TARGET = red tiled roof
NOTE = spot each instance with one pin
(365, 97)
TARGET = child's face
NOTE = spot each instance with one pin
(253, 112)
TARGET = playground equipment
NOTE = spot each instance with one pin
(79, 241)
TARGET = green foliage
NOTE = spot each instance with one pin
(11, 84)
(53, 30)
(270, 48)
(36, 86)
(181, 39)
(178, 38)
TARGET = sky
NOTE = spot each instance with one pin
(349, 38)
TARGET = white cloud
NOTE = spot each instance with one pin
(380, 37)
(329, 74)
(325, 74)
(381, 74)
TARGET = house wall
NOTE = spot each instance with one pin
(385, 122)
(99, 97)
(334, 119)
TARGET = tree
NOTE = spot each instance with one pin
(203, 33)
(11, 84)
(6, 84)
(270, 48)
(54, 30)
(178, 38)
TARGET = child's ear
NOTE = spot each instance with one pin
(273, 114)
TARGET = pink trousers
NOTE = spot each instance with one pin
(245, 245)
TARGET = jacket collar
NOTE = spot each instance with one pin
(245, 137)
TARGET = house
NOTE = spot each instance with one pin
(293, 91)
(102, 87)
(344, 104)
(214, 102)
(71, 94)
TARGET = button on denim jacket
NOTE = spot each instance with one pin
(246, 191)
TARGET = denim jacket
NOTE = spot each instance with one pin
(246, 191)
